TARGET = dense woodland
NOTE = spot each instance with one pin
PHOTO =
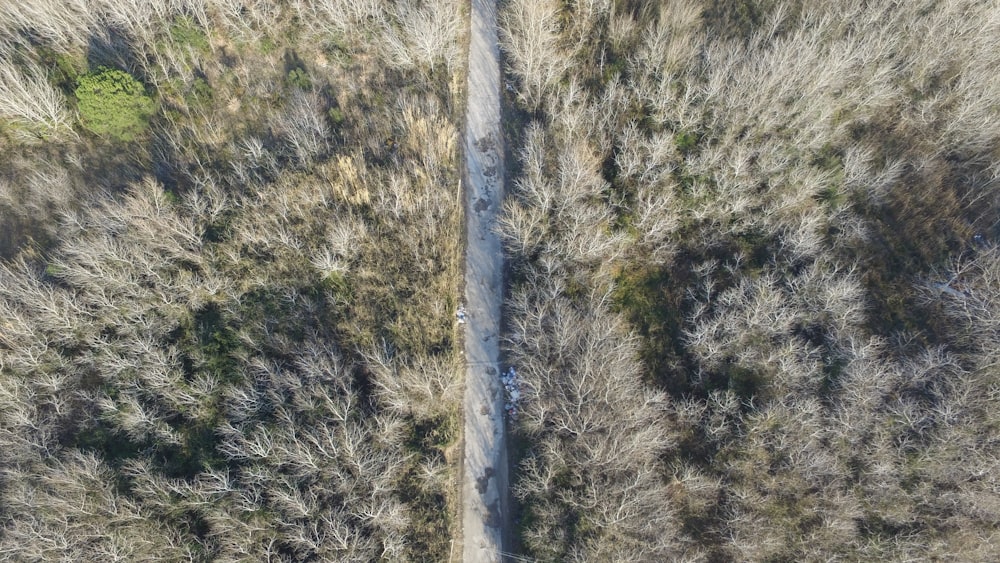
(755, 280)
(231, 233)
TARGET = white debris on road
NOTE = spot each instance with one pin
(512, 387)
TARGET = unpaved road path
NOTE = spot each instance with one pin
(484, 475)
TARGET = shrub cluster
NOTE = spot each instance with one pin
(113, 103)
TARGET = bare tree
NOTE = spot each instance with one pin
(529, 34)
(305, 127)
(424, 36)
(28, 101)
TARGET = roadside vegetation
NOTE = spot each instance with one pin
(230, 253)
(754, 279)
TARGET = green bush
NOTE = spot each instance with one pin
(299, 78)
(113, 103)
(186, 32)
(686, 141)
(336, 116)
(199, 93)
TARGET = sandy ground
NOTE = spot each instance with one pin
(484, 475)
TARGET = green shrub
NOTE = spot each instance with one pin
(199, 93)
(686, 141)
(113, 103)
(336, 116)
(268, 45)
(186, 32)
(299, 78)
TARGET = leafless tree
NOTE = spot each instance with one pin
(423, 35)
(305, 127)
(529, 35)
(28, 101)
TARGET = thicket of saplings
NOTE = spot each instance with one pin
(230, 245)
(756, 292)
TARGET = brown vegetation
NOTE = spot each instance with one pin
(230, 338)
(754, 280)
(750, 304)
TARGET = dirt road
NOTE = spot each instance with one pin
(484, 477)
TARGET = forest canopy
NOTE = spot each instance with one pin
(229, 273)
(750, 302)
(753, 295)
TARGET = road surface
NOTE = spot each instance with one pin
(484, 475)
